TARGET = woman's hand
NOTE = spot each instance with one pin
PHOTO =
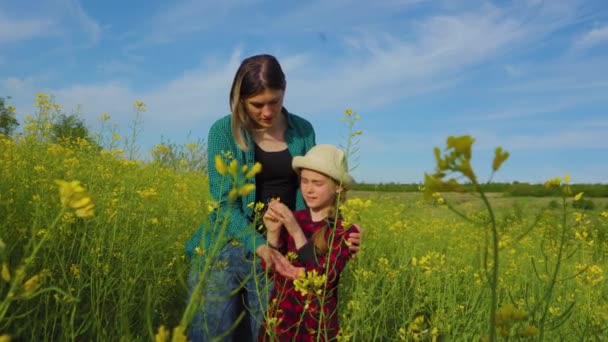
(354, 241)
(278, 262)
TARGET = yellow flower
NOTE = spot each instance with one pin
(232, 195)
(139, 106)
(257, 168)
(162, 335)
(75, 270)
(179, 334)
(310, 282)
(74, 196)
(220, 166)
(499, 157)
(233, 168)
(246, 189)
(578, 196)
(553, 183)
(529, 331)
(31, 285)
(86, 212)
(6, 274)
(147, 193)
(292, 256)
(5, 338)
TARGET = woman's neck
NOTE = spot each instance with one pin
(272, 138)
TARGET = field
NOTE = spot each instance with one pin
(103, 259)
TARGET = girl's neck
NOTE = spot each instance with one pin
(319, 214)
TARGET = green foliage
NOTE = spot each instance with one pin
(515, 189)
(553, 204)
(583, 204)
(539, 190)
(69, 128)
(8, 122)
(191, 157)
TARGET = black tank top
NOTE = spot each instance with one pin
(277, 178)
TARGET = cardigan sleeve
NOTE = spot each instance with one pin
(229, 220)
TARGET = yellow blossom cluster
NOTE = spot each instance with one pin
(310, 283)
(232, 169)
(351, 210)
(164, 335)
(429, 263)
(73, 195)
(418, 330)
(507, 316)
(147, 193)
(590, 274)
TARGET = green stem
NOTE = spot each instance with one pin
(549, 294)
(494, 278)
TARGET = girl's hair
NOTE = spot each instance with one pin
(255, 74)
(318, 237)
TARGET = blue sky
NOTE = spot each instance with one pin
(529, 75)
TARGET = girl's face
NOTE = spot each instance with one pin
(319, 191)
(265, 108)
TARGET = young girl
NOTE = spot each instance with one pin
(315, 239)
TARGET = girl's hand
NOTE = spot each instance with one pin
(278, 262)
(282, 213)
(272, 223)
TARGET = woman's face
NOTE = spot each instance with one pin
(265, 108)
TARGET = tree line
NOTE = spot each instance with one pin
(509, 189)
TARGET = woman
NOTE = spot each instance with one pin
(259, 129)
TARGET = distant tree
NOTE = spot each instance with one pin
(8, 122)
(69, 128)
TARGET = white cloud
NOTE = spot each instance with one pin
(592, 38)
(16, 30)
(30, 19)
(83, 20)
(192, 16)
(390, 68)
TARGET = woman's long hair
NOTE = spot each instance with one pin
(255, 74)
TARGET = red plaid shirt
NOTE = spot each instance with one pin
(294, 316)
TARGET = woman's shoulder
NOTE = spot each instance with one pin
(222, 124)
(299, 121)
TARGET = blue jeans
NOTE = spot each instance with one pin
(236, 279)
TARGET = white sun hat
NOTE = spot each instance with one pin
(326, 159)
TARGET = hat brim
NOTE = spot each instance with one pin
(302, 162)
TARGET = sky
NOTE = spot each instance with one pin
(530, 76)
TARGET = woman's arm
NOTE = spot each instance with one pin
(228, 220)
